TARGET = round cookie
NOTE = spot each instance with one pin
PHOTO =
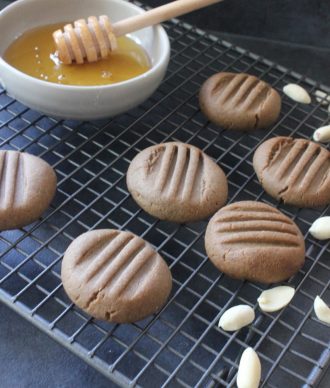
(177, 182)
(239, 101)
(27, 186)
(115, 276)
(296, 171)
(254, 241)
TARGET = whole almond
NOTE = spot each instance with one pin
(320, 228)
(249, 370)
(236, 317)
(275, 298)
(322, 311)
(297, 93)
(322, 134)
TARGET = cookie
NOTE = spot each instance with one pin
(115, 276)
(254, 241)
(296, 171)
(239, 101)
(27, 186)
(177, 182)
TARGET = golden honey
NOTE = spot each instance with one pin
(34, 54)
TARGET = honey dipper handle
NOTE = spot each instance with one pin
(159, 14)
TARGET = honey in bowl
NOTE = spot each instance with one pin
(33, 53)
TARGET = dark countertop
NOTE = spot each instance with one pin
(28, 357)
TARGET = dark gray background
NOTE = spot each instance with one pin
(293, 33)
(303, 21)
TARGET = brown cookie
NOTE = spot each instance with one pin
(177, 182)
(115, 276)
(297, 171)
(254, 241)
(239, 101)
(27, 186)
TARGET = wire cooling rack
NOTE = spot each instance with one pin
(181, 345)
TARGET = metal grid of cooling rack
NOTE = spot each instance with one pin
(181, 345)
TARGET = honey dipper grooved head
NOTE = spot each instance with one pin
(85, 41)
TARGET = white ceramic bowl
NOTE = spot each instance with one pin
(79, 102)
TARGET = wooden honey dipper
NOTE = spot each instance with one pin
(93, 40)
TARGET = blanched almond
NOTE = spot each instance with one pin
(322, 134)
(320, 228)
(236, 317)
(249, 370)
(275, 298)
(322, 311)
(297, 93)
(322, 97)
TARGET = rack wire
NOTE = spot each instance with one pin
(181, 345)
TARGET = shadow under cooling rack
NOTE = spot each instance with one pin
(181, 345)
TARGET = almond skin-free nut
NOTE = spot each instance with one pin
(322, 97)
(249, 370)
(322, 311)
(275, 298)
(320, 228)
(297, 93)
(322, 134)
(236, 317)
